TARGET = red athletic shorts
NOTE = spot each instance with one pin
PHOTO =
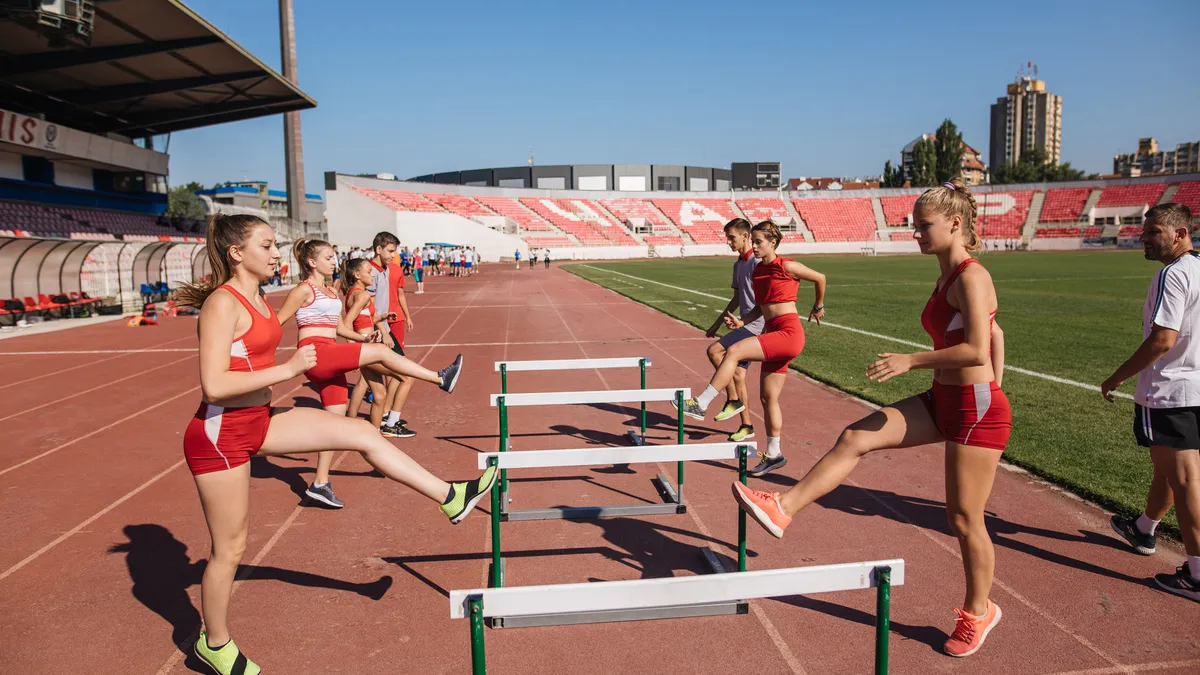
(333, 362)
(782, 340)
(970, 414)
(224, 438)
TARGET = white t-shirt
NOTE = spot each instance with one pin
(1174, 302)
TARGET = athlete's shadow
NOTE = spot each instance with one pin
(656, 421)
(648, 548)
(294, 476)
(930, 635)
(931, 515)
(162, 573)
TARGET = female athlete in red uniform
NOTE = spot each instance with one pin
(360, 307)
(775, 280)
(964, 408)
(239, 333)
(318, 312)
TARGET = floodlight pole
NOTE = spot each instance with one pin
(292, 143)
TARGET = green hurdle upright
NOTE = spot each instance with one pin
(618, 600)
(672, 494)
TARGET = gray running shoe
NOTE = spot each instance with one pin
(691, 408)
(1127, 527)
(324, 494)
(397, 430)
(450, 373)
(766, 464)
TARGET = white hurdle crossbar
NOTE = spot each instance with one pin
(608, 601)
(538, 459)
(584, 397)
(639, 362)
(534, 459)
(573, 364)
(673, 494)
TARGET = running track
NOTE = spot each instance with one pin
(105, 540)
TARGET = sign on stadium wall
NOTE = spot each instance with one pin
(30, 132)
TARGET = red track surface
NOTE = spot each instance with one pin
(104, 539)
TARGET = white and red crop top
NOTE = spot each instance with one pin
(254, 349)
(323, 312)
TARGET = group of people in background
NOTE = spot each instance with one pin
(533, 257)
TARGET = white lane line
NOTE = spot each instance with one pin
(880, 336)
(117, 355)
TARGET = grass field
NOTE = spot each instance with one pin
(1071, 315)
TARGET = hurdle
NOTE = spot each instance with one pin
(611, 601)
(531, 459)
(672, 495)
(640, 362)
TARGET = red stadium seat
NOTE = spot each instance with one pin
(1145, 194)
(838, 219)
(1064, 205)
(758, 210)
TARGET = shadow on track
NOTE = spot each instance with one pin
(162, 573)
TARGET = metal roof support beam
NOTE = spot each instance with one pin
(127, 92)
(161, 123)
(36, 63)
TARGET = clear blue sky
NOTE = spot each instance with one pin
(827, 88)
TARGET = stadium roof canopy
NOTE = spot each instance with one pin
(154, 66)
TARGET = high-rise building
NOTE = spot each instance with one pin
(1027, 117)
(1149, 160)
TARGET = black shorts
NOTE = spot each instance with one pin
(1177, 428)
(396, 347)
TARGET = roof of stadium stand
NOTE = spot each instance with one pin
(154, 66)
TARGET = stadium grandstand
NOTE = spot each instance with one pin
(603, 223)
(83, 190)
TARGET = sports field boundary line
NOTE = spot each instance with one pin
(880, 336)
(1046, 616)
(116, 354)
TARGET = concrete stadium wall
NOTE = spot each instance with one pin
(634, 174)
(417, 229)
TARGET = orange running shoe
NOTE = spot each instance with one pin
(764, 507)
(971, 631)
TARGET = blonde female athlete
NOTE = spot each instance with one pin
(239, 333)
(964, 408)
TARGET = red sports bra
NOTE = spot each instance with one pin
(254, 349)
(944, 323)
(772, 283)
(365, 318)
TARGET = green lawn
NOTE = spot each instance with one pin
(1073, 315)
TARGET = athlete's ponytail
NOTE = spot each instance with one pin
(349, 269)
(222, 233)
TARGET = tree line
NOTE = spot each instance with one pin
(938, 159)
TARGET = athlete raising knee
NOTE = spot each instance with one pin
(360, 310)
(318, 312)
(964, 408)
(775, 280)
(239, 333)
(737, 235)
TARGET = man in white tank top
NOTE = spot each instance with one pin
(1167, 399)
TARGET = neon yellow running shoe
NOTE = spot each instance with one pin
(744, 433)
(464, 496)
(731, 408)
(228, 660)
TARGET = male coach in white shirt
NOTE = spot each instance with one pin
(1167, 410)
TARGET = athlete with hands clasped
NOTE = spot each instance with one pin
(964, 408)
(775, 281)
